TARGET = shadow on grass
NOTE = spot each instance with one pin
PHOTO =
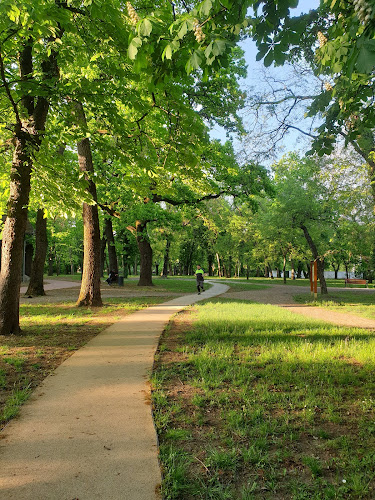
(260, 404)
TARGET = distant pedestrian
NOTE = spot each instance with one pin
(112, 278)
(199, 275)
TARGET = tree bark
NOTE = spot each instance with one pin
(90, 294)
(145, 252)
(112, 255)
(103, 244)
(26, 139)
(36, 285)
(314, 251)
(166, 257)
(284, 267)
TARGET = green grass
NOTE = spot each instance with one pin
(13, 403)
(359, 303)
(259, 403)
(331, 283)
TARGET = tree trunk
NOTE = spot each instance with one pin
(336, 270)
(112, 255)
(284, 267)
(166, 257)
(103, 244)
(145, 252)
(218, 265)
(13, 236)
(270, 271)
(50, 263)
(307, 273)
(36, 285)
(314, 251)
(90, 294)
(299, 269)
(347, 269)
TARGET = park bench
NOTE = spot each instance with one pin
(355, 281)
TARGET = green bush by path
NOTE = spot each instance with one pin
(253, 402)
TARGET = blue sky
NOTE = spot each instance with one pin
(255, 79)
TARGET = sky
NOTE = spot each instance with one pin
(256, 82)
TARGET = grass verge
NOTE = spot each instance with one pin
(359, 303)
(253, 402)
(50, 334)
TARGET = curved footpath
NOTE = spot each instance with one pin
(87, 432)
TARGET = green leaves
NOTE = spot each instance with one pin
(133, 47)
(366, 57)
(205, 7)
(144, 27)
(194, 62)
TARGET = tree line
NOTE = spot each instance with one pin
(108, 106)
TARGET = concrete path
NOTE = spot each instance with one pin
(55, 285)
(87, 432)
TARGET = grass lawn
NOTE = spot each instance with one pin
(253, 402)
(172, 284)
(50, 334)
(289, 282)
(359, 303)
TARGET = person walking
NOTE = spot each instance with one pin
(199, 275)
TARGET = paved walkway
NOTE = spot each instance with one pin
(55, 285)
(87, 432)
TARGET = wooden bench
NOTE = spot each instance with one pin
(355, 281)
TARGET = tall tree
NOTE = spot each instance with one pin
(36, 284)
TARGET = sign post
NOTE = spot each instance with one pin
(314, 279)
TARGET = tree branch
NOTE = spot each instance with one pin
(8, 92)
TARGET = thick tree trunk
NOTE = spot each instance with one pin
(90, 294)
(30, 118)
(145, 252)
(112, 255)
(314, 251)
(166, 258)
(36, 285)
(13, 236)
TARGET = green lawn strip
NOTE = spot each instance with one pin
(253, 402)
(51, 333)
(171, 284)
(359, 303)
